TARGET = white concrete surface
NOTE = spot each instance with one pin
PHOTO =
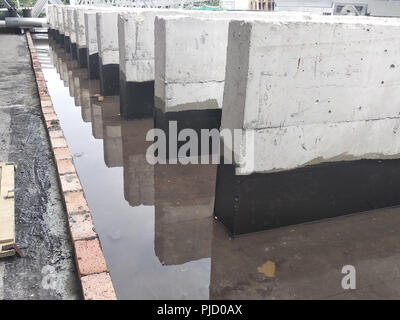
(107, 36)
(317, 90)
(71, 23)
(136, 43)
(91, 32)
(60, 19)
(190, 55)
(65, 21)
(80, 27)
(190, 58)
(50, 16)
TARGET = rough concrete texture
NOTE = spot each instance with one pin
(50, 16)
(80, 27)
(47, 269)
(91, 32)
(190, 57)
(107, 37)
(193, 67)
(338, 85)
(136, 42)
(65, 20)
(71, 23)
(60, 20)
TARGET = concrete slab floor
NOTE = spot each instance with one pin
(47, 270)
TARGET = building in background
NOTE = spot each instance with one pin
(383, 8)
(266, 5)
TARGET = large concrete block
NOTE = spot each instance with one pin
(107, 40)
(50, 20)
(190, 62)
(72, 31)
(136, 59)
(315, 100)
(61, 32)
(67, 39)
(190, 57)
(91, 43)
(343, 82)
(81, 37)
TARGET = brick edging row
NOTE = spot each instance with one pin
(91, 265)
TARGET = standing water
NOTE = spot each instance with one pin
(156, 226)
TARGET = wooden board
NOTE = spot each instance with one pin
(7, 220)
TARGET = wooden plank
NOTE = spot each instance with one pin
(7, 219)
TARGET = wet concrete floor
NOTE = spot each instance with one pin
(156, 225)
(47, 268)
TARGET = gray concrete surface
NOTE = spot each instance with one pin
(47, 270)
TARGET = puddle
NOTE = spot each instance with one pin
(156, 227)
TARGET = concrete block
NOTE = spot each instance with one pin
(319, 132)
(190, 72)
(190, 61)
(72, 31)
(190, 58)
(67, 39)
(91, 44)
(107, 40)
(50, 20)
(342, 84)
(61, 32)
(136, 59)
(81, 37)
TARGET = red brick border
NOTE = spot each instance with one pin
(92, 269)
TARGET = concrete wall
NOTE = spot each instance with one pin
(334, 97)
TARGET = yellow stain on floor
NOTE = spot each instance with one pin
(268, 269)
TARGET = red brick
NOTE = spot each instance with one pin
(56, 133)
(51, 123)
(98, 287)
(62, 153)
(89, 257)
(70, 183)
(46, 103)
(65, 166)
(50, 116)
(47, 110)
(58, 142)
(75, 202)
(81, 226)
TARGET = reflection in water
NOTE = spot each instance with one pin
(184, 204)
(138, 173)
(112, 132)
(156, 227)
